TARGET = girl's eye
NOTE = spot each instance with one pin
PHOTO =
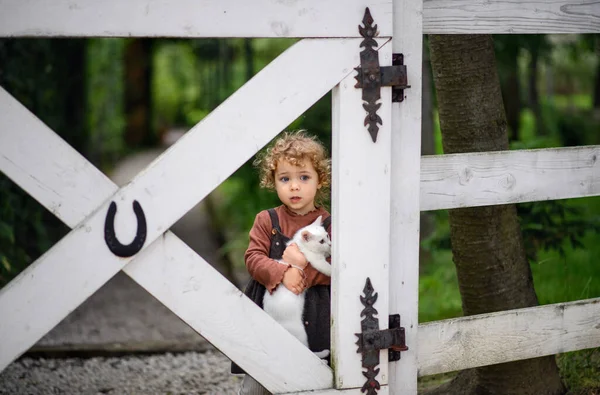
(305, 178)
(284, 179)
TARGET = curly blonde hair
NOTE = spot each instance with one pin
(295, 147)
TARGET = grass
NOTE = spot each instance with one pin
(557, 279)
(580, 371)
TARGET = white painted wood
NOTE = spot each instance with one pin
(488, 178)
(486, 339)
(272, 18)
(510, 17)
(360, 203)
(404, 230)
(168, 269)
(190, 18)
(208, 153)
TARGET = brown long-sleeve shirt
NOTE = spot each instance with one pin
(267, 271)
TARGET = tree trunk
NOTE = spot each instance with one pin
(512, 99)
(249, 58)
(138, 103)
(487, 247)
(596, 96)
(508, 47)
(427, 220)
(73, 59)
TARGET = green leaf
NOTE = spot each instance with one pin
(6, 264)
(6, 232)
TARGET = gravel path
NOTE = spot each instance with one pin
(187, 373)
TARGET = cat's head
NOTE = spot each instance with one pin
(316, 238)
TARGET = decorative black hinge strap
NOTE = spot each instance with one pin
(371, 340)
(371, 77)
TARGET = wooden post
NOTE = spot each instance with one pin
(406, 157)
(361, 221)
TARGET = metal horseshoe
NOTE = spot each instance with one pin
(113, 244)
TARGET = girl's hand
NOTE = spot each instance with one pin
(293, 279)
(293, 256)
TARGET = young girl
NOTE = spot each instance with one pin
(297, 168)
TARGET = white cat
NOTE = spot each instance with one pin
(285, 306)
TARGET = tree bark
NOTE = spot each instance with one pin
(249, 58)
(427, 220)
(138, 103)
(74, 75)
(487, 247)
(596, 97)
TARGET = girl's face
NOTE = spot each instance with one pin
(297, 186)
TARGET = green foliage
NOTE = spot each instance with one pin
(23, 236)
(550, 225)
(569, 275)
(175, 84)
(439, 297)
(580, 371)
(578, 128)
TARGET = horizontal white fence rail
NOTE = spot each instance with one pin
(274, 18)
(163, 189)
(190, 18)
(64, 182)
(510, 16)
(486, 339)
(490, 178)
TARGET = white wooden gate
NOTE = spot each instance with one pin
(64, 182)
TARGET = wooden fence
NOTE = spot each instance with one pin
(63, 181)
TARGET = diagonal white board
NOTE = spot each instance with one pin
(189, 18)
(206, 146)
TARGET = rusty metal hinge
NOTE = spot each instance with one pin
(372, 339)
(371, 77)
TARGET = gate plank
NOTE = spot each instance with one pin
(172, 272)
(510, 17)
(361, 220)
(406, 159)
(487, 339)
(488, 178)
(163, 189)
(272, 18)
(188, 18)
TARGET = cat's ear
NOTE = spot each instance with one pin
(318, 221)
(305, 235)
